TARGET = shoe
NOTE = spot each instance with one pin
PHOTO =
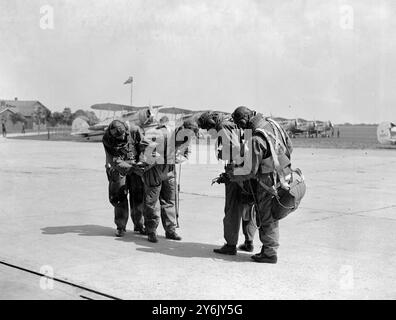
(172, 236)
(226, 249)
(140, 229)
(120, 232)
(247, 246)
(152, 237)
(263, 258)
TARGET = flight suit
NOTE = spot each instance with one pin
(158, 152)
(237, 207)
(136, 200)
(262, 169)
(160, 188)
(120, 165)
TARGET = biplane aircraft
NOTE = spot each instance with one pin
(142, 116)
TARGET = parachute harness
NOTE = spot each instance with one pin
(278, 174)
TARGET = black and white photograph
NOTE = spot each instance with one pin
(209, 150)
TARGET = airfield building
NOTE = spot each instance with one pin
(14, 112)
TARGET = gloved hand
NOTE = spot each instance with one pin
(222, 178)
(229, 169)
(112, 173)
(137, 169)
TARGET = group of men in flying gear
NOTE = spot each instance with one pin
(141, 162)
(260, 185)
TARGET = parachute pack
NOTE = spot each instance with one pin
(289, 185)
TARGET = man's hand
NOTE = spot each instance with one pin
(137, 169)
(222, 178)
(229, 169)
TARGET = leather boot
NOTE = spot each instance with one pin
(226, 249)
(246, 246)
(152, 237)
(263, 258)
(172, 235)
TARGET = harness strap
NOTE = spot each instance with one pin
(282, 132)
(278, 168)
(166, 148)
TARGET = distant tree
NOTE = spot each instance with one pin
(89, 116)
(67, 116)
(93, 119)
(47, 115)
(51, 122)
(78, 113)
(56, 118)
(39, 115)
(17, 117)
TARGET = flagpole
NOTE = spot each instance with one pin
(131, 91)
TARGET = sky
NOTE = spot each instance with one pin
(319, 60)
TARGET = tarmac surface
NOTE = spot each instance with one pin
(55, 215)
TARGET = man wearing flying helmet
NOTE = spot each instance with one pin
(238, 204)
(279, 189)
(162, 148)
(123, 174)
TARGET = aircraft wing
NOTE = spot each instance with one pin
(196, 114)
(99, 127)
(88, 134)
(113, 107)
(81, 128)
(119, 107)
(174, 110)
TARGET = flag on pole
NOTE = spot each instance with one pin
(130, 79)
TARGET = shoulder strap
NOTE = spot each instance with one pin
(278, 168)
(279, 129)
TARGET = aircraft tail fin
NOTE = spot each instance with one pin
(386, 133)
(79, 126)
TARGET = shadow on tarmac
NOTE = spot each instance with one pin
(82, 230)
(164, 246)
